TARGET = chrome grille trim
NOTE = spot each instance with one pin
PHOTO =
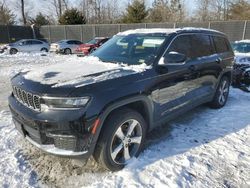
(27, 99)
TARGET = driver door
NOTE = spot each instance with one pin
(176, 86)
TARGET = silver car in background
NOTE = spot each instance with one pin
(65, 46)
(28, 45)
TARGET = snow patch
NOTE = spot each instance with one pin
(81, 72)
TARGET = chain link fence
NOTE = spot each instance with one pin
(235, 30)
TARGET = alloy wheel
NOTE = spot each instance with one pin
(224, 89)
(126, 141)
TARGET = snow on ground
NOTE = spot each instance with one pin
(203, 148)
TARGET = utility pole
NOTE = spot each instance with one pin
(23, 12)
(225, 10)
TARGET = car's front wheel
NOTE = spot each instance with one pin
(122, 139)
(13, 51)
(222, 92)
(67, 51)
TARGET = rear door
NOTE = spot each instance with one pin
(36, 45)
(205, 66)
(27, 46)
(224, 52)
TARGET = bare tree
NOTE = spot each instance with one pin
(24, 7)
(212, 9)
(23, 12)
(59, 6)
(203, 10)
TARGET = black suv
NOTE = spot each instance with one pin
(109, 118)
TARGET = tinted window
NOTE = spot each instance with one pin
(182, 44)
(201, 45)
(221, 44)
(77, 42)
(28, 42)
(93, 41)
(70, 42)
(36, 42)
(193, 46)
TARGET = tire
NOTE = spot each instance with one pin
(13, 51)
(67, 51)
(44, 50)
(221, 95)
(118, 143)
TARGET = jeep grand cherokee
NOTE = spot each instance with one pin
(109, 117)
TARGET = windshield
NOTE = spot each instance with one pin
(93, 41)
(132, 49)
(241, 47)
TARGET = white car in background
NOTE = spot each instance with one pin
(65, 46)
(28, 45)
(242, 51)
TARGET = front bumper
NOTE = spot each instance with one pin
(63, 133)
(55, 151)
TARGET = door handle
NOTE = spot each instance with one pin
(192, 67)
(218, 60)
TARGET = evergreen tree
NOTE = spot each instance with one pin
(72, 17)
(136, 12)
(6, 15)
(40, 20)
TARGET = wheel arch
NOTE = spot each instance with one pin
(141, 104)
(228, 74)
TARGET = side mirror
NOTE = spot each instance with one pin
(173, 57)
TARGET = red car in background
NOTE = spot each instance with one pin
(91, 46)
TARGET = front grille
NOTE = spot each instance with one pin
(26, 98)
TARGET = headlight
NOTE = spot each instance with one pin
(67, 102)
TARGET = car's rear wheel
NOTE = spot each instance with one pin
(44, 50)
(13, 51)
(67, 51)
(122, 139)
(222, 92)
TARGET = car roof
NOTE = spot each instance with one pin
(30, 40)
(242, 41)
(170, 31)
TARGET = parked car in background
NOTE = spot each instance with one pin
(3, 48)
(28, 45)
(105, 108)
(65, 46)
(242, 51)
(241, 73)
(91, 45)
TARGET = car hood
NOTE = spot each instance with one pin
(239, 56)
(73, 75)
